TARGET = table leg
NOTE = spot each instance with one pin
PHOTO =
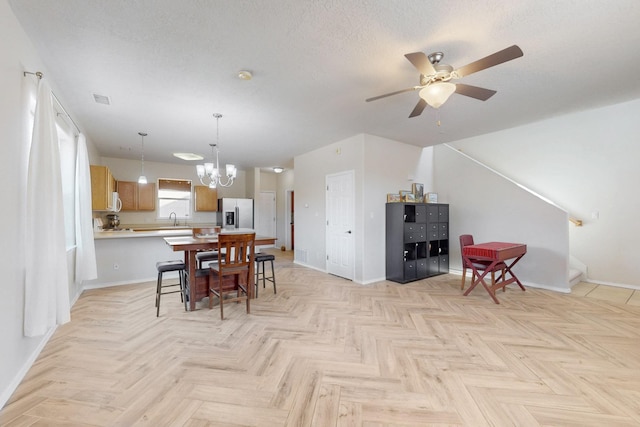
(251, 286)
(190, 264)
(480, 279)
(514, 278)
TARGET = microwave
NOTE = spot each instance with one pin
(116, 203)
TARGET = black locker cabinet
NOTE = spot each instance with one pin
(417, 240)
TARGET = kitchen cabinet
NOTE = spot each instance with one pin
(417, 241)
(137, 197)
(206, 199)
(102, 187)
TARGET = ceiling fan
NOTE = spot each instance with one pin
(435, 86)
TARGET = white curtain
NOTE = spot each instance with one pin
(46, 279)
(86, 268)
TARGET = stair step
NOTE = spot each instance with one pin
(575, 276)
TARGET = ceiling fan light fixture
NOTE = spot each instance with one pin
(245, 75)
(437, 94)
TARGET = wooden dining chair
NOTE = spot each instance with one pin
(234, 269)
(479, 264)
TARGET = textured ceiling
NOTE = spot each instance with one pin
(168, 65)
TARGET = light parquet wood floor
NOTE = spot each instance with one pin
(327, 352)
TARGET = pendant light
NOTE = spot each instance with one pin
(142, 179)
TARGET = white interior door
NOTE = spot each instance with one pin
(266, 221)
(340, 224)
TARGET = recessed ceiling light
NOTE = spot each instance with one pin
(188, 156)
(245, 75)
(101, 99)
(278, 169)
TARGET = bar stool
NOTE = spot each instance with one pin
(261, 258)
(165, 267)
(203, 257)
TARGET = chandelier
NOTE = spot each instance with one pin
(211, 171)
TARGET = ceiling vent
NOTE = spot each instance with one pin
(101, 99)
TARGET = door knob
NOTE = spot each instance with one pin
(349, 231)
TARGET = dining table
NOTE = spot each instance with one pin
(197, 283)
(495, 253)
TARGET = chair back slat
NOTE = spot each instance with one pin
(236, 250)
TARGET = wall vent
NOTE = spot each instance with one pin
(301, 255)
(101, 99)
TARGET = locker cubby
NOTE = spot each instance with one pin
(444, 247)
(421, 249)
(409, 251)
(434, 248)
(409, 213)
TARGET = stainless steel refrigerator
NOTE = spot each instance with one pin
(235, 213)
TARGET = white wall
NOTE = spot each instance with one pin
(283, 186)
(389, 166)
(586, 162)
(381, 166)
(484, 204)
(18, 55)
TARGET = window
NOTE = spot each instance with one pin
(174, 196)
(67, 146)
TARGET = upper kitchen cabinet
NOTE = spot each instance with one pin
(137, 197)
(102, 187)
(206, 198)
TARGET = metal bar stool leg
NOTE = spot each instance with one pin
(158, 287)
(273, 277)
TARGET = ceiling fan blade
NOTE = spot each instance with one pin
(474, 91)
(417, 110)
(393, 93)
(421, 62)
(504, 55)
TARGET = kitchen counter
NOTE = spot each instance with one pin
(130, 233)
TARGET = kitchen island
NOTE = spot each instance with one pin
(126, 256)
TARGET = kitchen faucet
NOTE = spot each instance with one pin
(175, 218)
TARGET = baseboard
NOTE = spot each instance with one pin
(309, 266)
(547, 287)
(370, 282)
(120, 283)
(17, 379)
(612, 284)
